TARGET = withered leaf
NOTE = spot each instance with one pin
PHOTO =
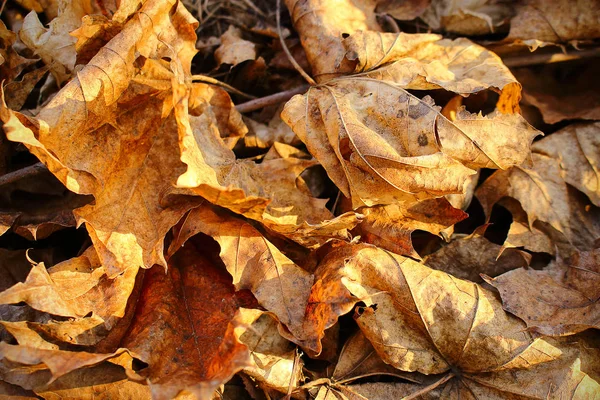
(380, 144)
(233, 49)
(279, 285)
(561, 299)
(186, 326)
(419, 319)
(471, 256)
(467, 17)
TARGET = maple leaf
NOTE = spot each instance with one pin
(561, 299)
(423, 320)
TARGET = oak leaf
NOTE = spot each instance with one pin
(233, 49)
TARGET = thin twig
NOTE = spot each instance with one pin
(22, 173)
(536, 58)
(430, 387)
(287, 52)
(276, 98)
(213, 81)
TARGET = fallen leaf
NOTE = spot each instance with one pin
(390, 227)
(575, 147)
(380, 144)
(561, 299)
(471, 256)
(401, 9)
(468, 17)
(419, 319)
(233, 49)
(187, 326)
(278, 284)
(565, 93)
(321, 24)
(539, 23)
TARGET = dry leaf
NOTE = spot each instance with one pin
(403, 9)
(561, 299)
(576, 149)
(187, 325)
(469, 257)
(419, 319)
(380, 144)
(321, 25)
(540, 22)
(233, 49)
(256, 264)
(468, 17)
(390, 227)
(561, 92)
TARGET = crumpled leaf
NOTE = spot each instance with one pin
(76, 288)
(471, 256)
(379, 144)
(561, 299)
(55, 45)
(467, 17)
(272, 357)
(426, 61)
(256, 264)
(233, 49)
(539, 22)
(187, 326)
(390, 226)
(11, 63)
(576, 149)
(127, 229)
(321, 24)
(419, 319)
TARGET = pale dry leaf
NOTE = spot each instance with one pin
(468, 17)
(539, 22)
(577, 149)
(55, 45)
(233, 49)
(419, 319)
(321, 25)
(426, 61)
(380, 144)
(561, 299)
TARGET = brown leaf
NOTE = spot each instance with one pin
(469, 257)
(380, 144)
(321, 24)
(390, 227)
(256, 264)
(233, 49)
(425, 61)
(540, 22)
(562, 92)
(576, 149)
(186, 327)
(562, 299)
(401, 9)
(131, 157)
(419, 319)
(467, 17)
(75, 288)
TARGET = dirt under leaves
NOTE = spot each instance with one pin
(181, 216)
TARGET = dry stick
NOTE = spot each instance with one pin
(430, 387)
(276, 98)
(19, 174)
(297, 66)
(536, 59)
(213, 81)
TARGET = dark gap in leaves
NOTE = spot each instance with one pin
(476, 218)
(500, 221)
(425, 243)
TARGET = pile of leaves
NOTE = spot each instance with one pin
(420, 221)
